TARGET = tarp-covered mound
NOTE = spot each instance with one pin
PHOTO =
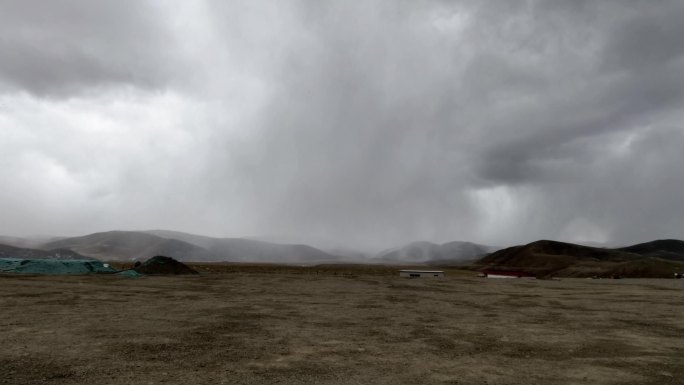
(53, 266)
(163, 265)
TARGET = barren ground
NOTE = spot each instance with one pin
(286, 326)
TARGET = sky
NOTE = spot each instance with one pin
(370, 123)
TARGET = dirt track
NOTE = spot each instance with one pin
(293, 328)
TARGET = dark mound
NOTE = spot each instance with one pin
(161, 265)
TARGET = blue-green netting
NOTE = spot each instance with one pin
(53, 266)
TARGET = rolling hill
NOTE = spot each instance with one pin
(432, 253)
(126, 245)
(33, 242)
(291, 250)
(249, 250)
(672, 249)
(551, 258)
(7, 251)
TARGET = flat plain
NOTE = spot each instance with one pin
(280, 325)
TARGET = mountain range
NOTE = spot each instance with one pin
(543, 258)
(134, 245)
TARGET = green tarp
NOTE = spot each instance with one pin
(53, 266)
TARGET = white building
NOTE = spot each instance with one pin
(505, 274)
(421, 273)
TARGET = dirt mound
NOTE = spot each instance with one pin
(163, 265)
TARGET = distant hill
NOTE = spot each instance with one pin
(672, 249)
(33, 242)
(551, 258)
(249, 250)
(14, 241)
(432, 253)
(7, 251)
(126, 245)
(197, 240)
(312, 253)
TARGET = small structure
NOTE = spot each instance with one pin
(505, 274)
(421, 273)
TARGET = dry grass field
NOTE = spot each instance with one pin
(338, 325)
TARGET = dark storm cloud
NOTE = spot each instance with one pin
(647, 39)
(386, 123)
(375, 123)
(65, 46)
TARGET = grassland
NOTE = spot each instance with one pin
(263, 324)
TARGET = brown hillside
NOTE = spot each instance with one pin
(663, 248)
(125, 245)
(547, 258)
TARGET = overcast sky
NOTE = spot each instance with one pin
(373, 123)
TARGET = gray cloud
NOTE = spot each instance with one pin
(375, 123)
(66, 46)
(646, 39)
